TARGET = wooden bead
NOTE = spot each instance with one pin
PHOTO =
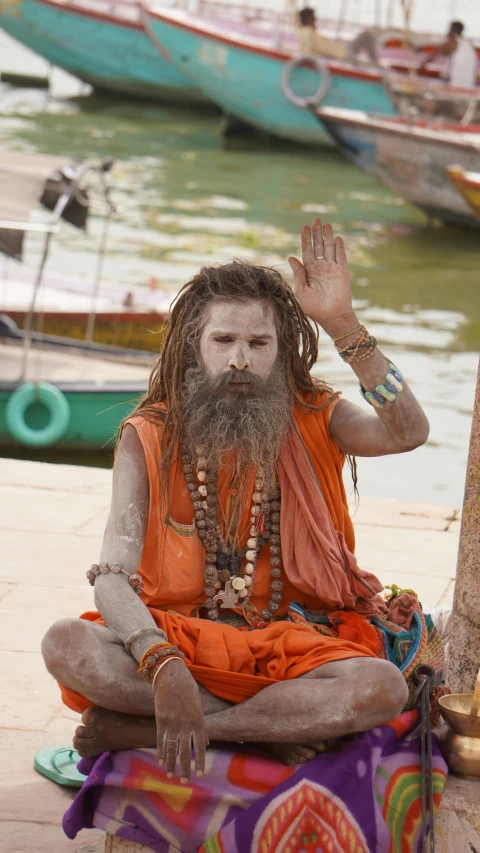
(200, 514)
(211, 523)
(201, 524)
(243, 593)
(187, 467)
(211, 556)
(275, 561)
(203, 491)
(275, 550)
(225, 575)
(276, 573)
(218, 584)
(275, 516)
(211, 572)
(273, 606)
(211, 512)
(198, 504)
(212, 613)
(202, 534)
(277, 597)
(275, 505)
(191, 487)
(211, 500)
(275, 539)
(275, 528)
(257, 497)
(210, 591)
(195, 496)
(190, 477)
(266, 615)
(277, 586)
(209, 603)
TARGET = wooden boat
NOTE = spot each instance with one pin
(95, 406)
(256, 78)
(468, 185)
(102, 43)
(243, 75)
(410, 158)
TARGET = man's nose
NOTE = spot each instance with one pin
(239, 359)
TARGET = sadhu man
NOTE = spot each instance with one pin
(229, 518)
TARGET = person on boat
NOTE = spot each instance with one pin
(462, 57)
(252, 622)
(311, 43)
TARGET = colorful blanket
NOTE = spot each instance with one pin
(364, 798)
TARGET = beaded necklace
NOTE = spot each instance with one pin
(230, 574)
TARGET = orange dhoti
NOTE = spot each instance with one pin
(236, 663)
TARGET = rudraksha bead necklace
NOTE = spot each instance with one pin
(228, 584)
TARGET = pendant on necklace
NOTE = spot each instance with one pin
(228, 596)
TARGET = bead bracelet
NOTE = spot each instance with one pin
(154, 655)
(135, 581)
(135, 635)
(386, 392)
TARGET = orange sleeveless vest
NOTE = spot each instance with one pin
(173, 558)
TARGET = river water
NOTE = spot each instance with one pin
(187, 200)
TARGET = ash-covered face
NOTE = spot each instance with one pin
(239, 337)
(236, 401)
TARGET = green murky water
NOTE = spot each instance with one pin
(186, 200)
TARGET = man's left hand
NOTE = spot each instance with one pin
(322, 282)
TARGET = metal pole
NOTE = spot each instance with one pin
(57, 213)
(98, 276)
(464, 652)
(341, 17)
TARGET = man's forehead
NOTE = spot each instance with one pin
(257, 313)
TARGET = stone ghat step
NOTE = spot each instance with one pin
(457, 827)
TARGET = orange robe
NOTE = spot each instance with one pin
(236, 663)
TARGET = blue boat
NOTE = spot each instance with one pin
(243, 75)
(109, 50)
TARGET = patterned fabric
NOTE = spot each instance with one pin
(407, 645)
(363, 798)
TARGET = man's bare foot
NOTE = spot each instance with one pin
(297, 753)
(104, 730)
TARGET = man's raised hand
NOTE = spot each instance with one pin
(322, 282)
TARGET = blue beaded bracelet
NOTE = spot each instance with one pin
(386, 392)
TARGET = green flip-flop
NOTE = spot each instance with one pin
(59, 763)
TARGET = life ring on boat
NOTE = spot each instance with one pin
(53, 400)
(311, 100)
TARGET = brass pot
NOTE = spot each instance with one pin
(462, 744)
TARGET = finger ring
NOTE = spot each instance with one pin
(320, 258)
(172, 740)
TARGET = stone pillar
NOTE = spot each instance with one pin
(464, 648)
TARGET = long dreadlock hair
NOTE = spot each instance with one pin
(239, 281)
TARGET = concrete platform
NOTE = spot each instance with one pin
(51, 526)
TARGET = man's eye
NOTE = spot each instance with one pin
(258, 343)
(223, 340)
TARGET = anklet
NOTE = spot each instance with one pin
(163, 663)
(135, 635)
(387, 392)
(135, 581)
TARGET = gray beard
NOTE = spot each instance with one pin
(246, 427)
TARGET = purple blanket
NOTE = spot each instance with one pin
(364, 798)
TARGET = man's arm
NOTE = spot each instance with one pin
(122, 610)
(397, 428)
(323, 288)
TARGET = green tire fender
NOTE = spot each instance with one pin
(53, 399)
